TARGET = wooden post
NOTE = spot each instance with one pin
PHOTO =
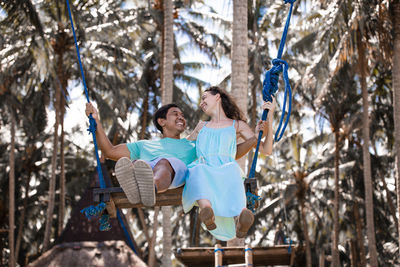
(218, 255)
(322, 258)
(248, 255)
(11, 190)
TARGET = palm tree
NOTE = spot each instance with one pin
(52, 182)
(167, 79)
(239, 58)
(62, 46)
(396, 95)
(239, 63)
(11, 210)
(366, 154)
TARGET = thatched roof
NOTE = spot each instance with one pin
(79, 228)
(76, 254)
(83, 244)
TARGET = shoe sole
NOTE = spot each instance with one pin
(245, 221)
(145, 180)
(124, 171)
(207, 217)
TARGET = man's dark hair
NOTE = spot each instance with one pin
(161, 113)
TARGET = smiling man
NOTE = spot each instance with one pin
(149, 166)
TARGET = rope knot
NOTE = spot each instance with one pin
(94, 212)
(270, 84)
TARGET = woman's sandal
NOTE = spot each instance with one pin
(244, 222)
(207, 217)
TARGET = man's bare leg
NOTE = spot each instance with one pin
(163, 175)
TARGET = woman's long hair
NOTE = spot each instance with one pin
(229, 106)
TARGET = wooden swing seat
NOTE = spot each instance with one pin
(264, 256)
(115, 198)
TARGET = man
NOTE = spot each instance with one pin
(157, 164)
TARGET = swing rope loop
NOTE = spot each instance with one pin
(270, 87)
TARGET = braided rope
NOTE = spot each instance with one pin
(270, 87)
(95, 212)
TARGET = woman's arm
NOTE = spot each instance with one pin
(243, 148)
(250, 137)
(266, 127)
(193, 135)
(250, 140)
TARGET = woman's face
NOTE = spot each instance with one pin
(209, 102)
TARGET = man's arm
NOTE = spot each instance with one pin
(107, 148)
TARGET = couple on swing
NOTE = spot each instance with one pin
(204, 162)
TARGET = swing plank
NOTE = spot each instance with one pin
(115, 198)
(265, 256)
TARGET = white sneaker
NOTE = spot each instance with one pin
(145, 180)
(124, 171)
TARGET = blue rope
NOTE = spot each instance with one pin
(270, 87)
(92, 122)
(95, 212)
(251, 201)
(290, 242)
(127, 235)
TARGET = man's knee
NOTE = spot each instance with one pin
(164, 164)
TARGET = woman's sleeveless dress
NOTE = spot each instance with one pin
(216, 176)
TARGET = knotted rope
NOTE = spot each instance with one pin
(270, 87)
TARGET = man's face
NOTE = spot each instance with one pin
(174, 121)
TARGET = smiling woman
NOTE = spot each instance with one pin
(214, 182)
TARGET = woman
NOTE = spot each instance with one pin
(215, 182)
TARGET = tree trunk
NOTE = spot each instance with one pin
(239, 58)
(360, 236)
(145, 111)
(152, 256)
(354, 261)
(305, 230)
(335, 234)
(61, 209)
(168, 53)
(194, 227)
(144, 225)
(396, 96)
(21, 220)
(167, 81)
(322, 258)
(366, 156)
(167, 236)
(11, 214)
(52, 182)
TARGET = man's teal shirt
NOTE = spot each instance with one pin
(149, 150)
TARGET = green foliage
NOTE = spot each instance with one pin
(121, 54)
